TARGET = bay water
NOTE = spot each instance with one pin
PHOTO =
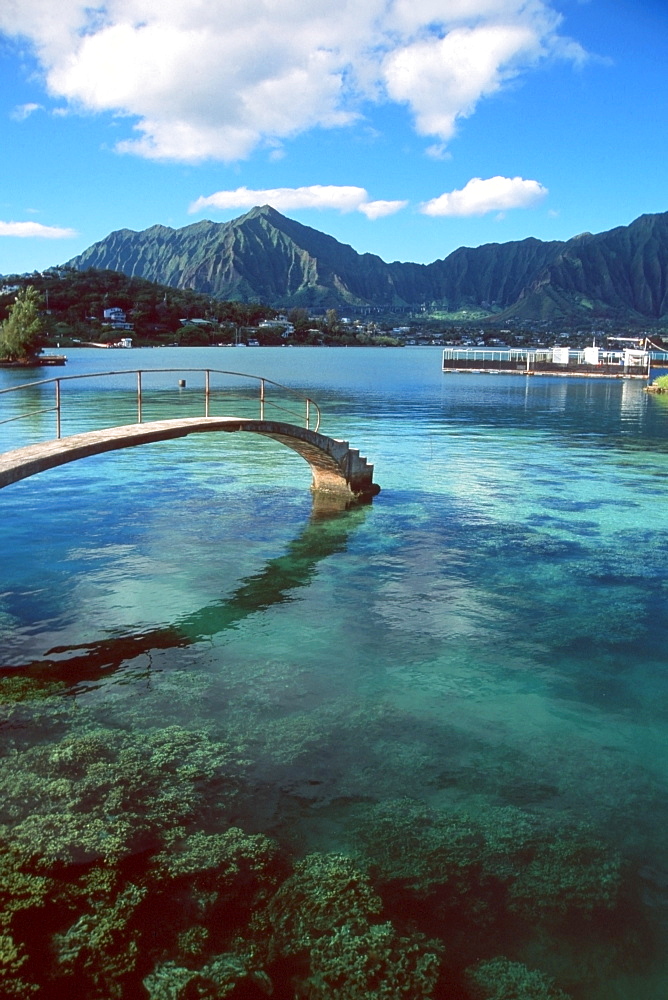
(487, 639)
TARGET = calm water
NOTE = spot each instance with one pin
(482, 649)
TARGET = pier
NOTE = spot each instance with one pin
(591, 362)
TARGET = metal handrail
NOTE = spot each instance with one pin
(139, 372)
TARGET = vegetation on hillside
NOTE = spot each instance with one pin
(73, 305)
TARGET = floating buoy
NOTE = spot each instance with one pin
(182, 383)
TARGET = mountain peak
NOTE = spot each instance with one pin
(264, 256)
(261, 211)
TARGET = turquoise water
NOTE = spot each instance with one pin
(484, 645)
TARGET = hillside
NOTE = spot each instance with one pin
(75, 302)
(265, 257)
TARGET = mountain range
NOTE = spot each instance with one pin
(265, 257)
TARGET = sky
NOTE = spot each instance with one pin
(405, 128)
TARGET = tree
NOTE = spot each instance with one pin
(23, 333)
(332, 321)
(300, 319)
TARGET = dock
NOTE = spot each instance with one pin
(591, 362)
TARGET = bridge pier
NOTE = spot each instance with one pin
(336, 467)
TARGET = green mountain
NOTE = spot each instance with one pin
(265, 257)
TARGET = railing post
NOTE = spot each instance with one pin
(139, 400)
(261, 399)
(207, 391)
(58, 409)
(308, 413)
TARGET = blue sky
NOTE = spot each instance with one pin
(406, 128)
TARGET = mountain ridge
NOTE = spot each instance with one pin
(263, 256)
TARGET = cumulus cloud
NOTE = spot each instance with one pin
(214, 80)
(318, 196)
(443, 79)
(479, 197)
(35, 229)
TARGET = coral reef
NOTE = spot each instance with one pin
(327, 915)
(102, 946)
(501, 979)
(118, 849)
(377, 964)
(213, 981)
(573, 874)
(408, 843)
(323, 923)
(88, 825)
(106, 794)
(211, 884)
(12, 957)
(16, 688)
(544, 869)
(323, 892)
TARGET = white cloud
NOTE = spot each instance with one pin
(378, 209)
(479, 197)
(23, 111)
(443, 79)
(317, 196)
(218, 79)
(35, 229)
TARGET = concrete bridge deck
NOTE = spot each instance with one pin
(336, 467)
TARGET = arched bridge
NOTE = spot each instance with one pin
(335, 466)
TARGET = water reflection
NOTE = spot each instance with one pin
(330, 525)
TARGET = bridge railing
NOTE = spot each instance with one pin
(250, 396)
